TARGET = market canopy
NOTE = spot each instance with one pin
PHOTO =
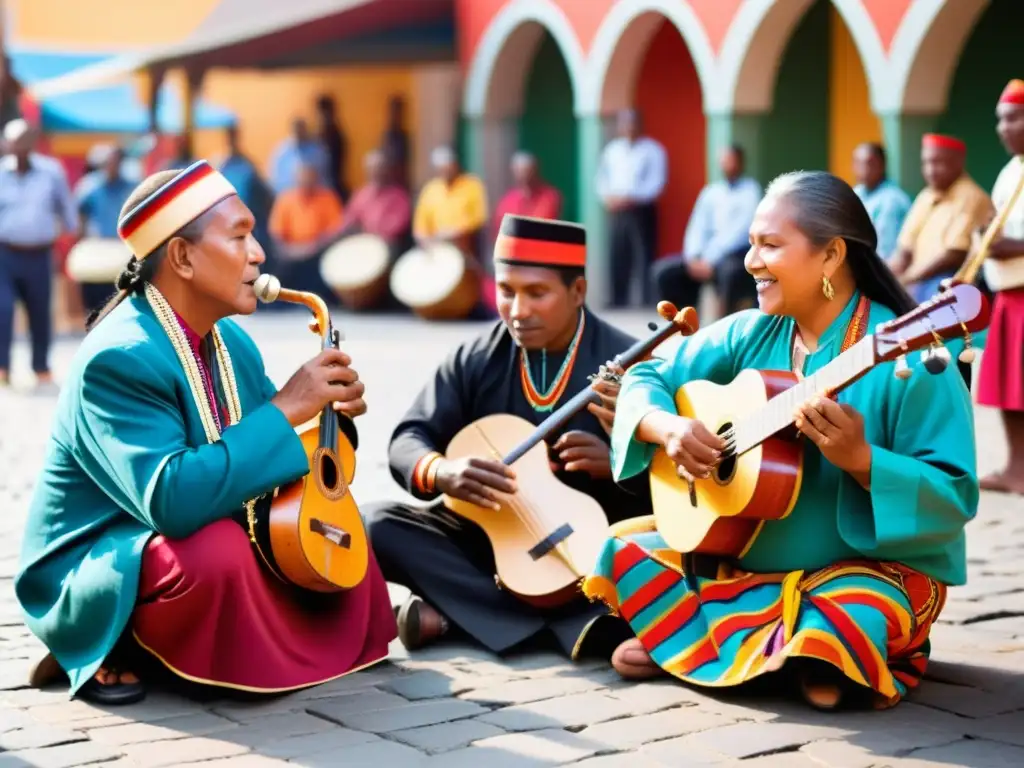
(255, 33)
(113, 109)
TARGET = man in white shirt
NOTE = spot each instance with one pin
(630, 179)
(717, 239)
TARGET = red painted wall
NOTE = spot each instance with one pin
(669, 98)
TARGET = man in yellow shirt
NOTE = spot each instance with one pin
(452, 207)
(936, 235)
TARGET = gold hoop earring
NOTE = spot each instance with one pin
(827, 289)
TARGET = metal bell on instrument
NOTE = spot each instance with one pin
(936, 359)
(902, 369)
(967, 354)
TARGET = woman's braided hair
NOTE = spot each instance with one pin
(139, 272)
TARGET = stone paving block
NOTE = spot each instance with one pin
(354, 683)
(623, 760)
(178, 751)
(338, 738)
(683, 753)
(340, 707)
(526, 691)
(38, 736)
(412, 716)
(445, 737)
(435, 683)
(745, 740)
(962, 700)
(12, 719)
(272, 729)
(375, 754)
(1008, 728)
(242, 761)
(64, 756)
(973, 754)
(782, 760)
(630, 732)
(866, 749)
(563, 712)
(644, 698)
(198, 724)
(521, 750)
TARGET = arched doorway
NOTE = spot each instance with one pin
(989, 60)
(652, 70)
(547, 124)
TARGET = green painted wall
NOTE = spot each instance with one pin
(795, 133)
(547, 127)
(990, 59)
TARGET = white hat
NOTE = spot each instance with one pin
(15, 129)
(442, 156)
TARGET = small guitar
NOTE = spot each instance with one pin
(758, 476)
(547, 536)
(311, 533)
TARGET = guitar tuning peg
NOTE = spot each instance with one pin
(967, 354)
(936, 359)
(902, 369)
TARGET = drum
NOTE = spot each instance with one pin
(356, 269)
(437, 283)
(97, 260)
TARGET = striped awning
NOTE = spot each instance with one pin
(250, 33)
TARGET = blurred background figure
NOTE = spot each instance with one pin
(395, 141)
(530, 195)
(630, 179)
(242, 172)
(717, 239)
(36, 206)
(300, 148)
(335, 144)
(886, 203)
(381, 207)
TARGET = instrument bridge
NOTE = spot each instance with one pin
(549, 542)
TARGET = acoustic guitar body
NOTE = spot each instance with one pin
(725, 512)
(316, 534)
(547, 536)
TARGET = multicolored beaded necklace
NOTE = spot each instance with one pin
(546, 401)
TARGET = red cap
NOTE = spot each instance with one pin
(938, 141)
(1013, 93)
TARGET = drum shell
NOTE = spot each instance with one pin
(359, 296)
(456, 304)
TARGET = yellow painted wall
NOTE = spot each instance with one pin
(851, 120)
(266, 103)
(85, 25)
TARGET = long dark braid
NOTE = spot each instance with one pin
(138, 272)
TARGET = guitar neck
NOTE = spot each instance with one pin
(777, 415)
(585, 397)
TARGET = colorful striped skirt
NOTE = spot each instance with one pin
(870, 620)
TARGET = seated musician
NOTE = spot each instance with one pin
(452, 207)
(848, 585)
(381, 207)
(167, 428)
(537, 357)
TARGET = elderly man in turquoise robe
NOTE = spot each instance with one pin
(167, 428)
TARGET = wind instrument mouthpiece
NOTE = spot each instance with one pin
(267, 288)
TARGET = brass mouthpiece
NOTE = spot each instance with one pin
(267, 288)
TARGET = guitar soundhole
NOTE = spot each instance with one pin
(327, 474)
(726, 469)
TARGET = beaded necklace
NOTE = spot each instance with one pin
(546, 401)
(204, 398)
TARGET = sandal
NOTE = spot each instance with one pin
(112, 694)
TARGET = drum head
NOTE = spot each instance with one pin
(422, 277)
(354, 262)
(97, 260)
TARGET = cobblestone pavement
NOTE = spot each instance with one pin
(458, 706)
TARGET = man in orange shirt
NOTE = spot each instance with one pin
(304, 221)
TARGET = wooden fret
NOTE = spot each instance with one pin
(778, 413)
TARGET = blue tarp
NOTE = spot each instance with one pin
(114, 109)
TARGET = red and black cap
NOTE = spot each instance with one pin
(532, 242)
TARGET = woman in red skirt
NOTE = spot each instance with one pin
(166, 429)
(1001, 379)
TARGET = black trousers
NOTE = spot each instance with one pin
(449, 562)
(733, 284)
(633, 238)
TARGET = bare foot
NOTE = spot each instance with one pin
(1002, 482)
(106, 677)
(633, 662)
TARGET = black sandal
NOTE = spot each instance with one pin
(112, 694)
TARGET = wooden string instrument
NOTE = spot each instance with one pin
(758, 476)
(547, 536)
(311, 533)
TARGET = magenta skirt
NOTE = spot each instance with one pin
(210, 613)
(1001, 376)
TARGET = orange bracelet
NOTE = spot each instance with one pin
(422, 478)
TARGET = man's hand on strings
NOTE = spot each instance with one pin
(579, 451)
(475, 481)
(609, 392)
